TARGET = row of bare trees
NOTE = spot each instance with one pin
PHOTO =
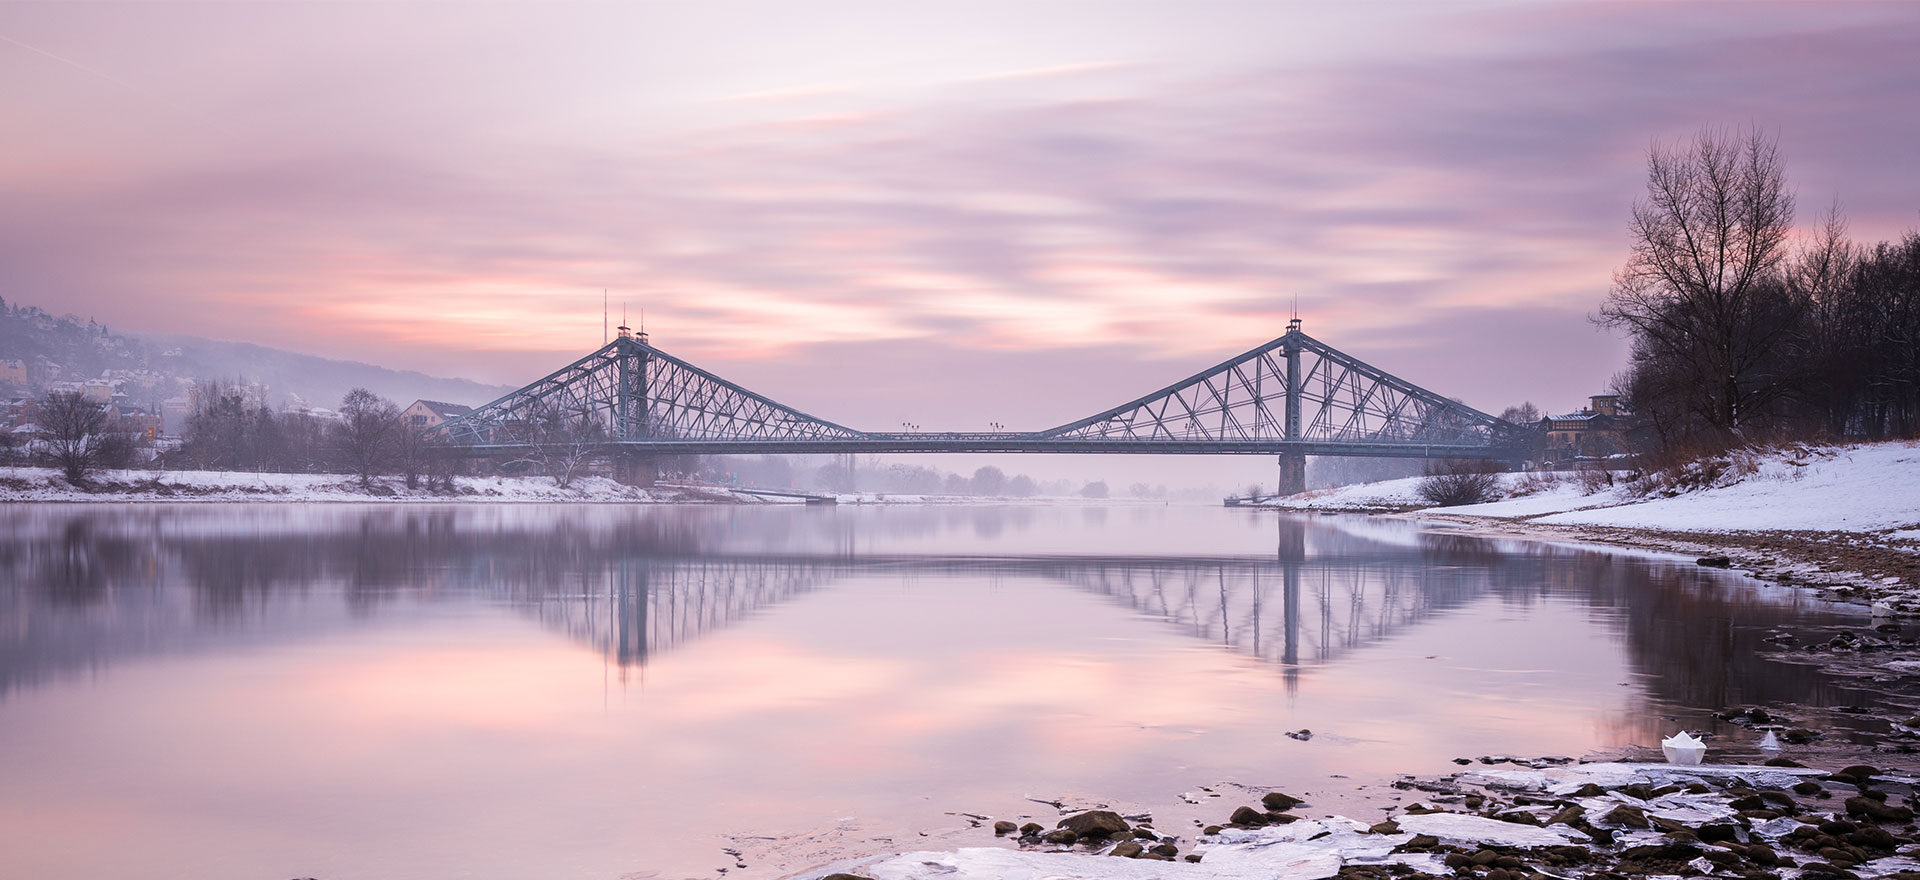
(77, 435)
(226, 431)
(370, 439)
(1738, 337)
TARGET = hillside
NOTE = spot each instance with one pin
(69, 348)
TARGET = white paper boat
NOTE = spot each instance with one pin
(1683, 748)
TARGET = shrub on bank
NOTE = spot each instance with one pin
(1455, 482)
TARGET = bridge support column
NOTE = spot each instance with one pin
(1292, 554)
(1293, 474)
(635, 468)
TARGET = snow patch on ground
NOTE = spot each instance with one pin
(1401, 494)
(1859, 488)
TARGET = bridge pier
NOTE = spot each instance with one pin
(635, 469)
(1293, 474)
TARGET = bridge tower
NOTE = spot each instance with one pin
(1293, 465)
(630, 409)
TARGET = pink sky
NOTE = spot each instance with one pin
(878, 212)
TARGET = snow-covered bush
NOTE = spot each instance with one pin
(1460, 481)
(1593, 477)
(1533, 483)
(1702, 472)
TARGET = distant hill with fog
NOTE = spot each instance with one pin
(66, 349)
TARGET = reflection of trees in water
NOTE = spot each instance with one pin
(95, 586)
(633, 584)
(76, 566)
(1696, 635)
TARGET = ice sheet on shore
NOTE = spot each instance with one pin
(1298, 843)
(1566, 780)
(1467, 828)
(1693, 809)
(1305, 850)
(1312, 849)
(991, 863)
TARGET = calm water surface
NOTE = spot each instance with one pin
(271, 691)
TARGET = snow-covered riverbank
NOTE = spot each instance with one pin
(33, 484)
(1845, 519)
(44, 484)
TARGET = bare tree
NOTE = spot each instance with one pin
(367, 435)
(442, 464)
(411, 448)
(562, 442)
(1885, 289)
(1527, 418)
(1701, 290)
(1835, 339)
(989, 480)
(74, 430)
(1523, 415)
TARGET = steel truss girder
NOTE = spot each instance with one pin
(1292, 396)
(640, 394)
(1335, 400)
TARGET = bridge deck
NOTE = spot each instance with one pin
(1027, 443)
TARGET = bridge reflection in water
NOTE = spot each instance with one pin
(635, 608)
(1330, 588)
(647, 607)
(97, 588)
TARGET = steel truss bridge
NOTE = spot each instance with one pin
(1294, 396)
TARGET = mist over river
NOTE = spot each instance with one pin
(608, 691)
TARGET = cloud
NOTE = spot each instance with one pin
(1173, 214)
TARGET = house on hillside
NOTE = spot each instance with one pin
(174, 414)
(429, 415)
(1593, 432)
(144, 426)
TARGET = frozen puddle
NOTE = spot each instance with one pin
(1310, 849)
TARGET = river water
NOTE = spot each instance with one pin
(587, 691)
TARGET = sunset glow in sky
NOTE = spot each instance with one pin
(877, 212)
